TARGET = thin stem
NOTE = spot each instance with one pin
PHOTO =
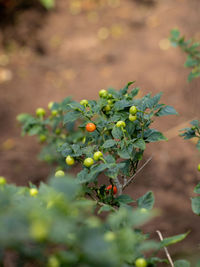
(131, 179)
(166, 250)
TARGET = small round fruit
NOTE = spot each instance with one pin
(50, 105)
(43, 138)
(103, 93)
(97, 155)
(121, 124)
(84, 102)
(59, 173)
(53, 262)
(133, 110)
(88, 162)
(58, 131)
(40, 112)
(107, 108)
(132, 117)
(110, 102)
(110, 188)
(70, 160)
(110, 96)
(198, 167)
(54, 112)
(109, 236)
(90, 127)
(33, 192)
(140, 262)
(2, 180)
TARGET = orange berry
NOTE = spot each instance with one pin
(90, 127)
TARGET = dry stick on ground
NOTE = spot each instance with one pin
(131, 179)
(166, 250)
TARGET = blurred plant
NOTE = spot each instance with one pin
(57, 226)
(191, 49)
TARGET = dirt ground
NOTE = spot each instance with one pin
(78, 51)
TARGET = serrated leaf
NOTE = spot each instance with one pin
(146, 201)
(173, 240)
(120, 105)
(124, 199)
(117, 133)
(196, 205)
(181, 263)
(83, 177)
(71, 116)
(140, 143)
(152, 135)
(109, 143)
(166, 110)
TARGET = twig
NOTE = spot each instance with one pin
(131, 179)
(166, 250)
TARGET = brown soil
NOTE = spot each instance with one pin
(62, 55)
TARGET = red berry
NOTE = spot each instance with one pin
(110, 188)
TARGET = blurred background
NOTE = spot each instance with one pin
(53, 49)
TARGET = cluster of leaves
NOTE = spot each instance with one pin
(50, 131)
(192, 49)
(118, 135)
(194, 132)
(57, 226)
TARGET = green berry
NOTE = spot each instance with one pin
(59, 173)
(88, 162)
(54, 112)
(43, 138)
(70, 160)
(132, 117)
(198, 167)
(84, 102)
(107, 108)
(97, 155)
(2, 180)
(40, 112)
(121, 124)
(140, 262)
(133, 110)
(33, 192)
(103, 93)
(50, 105)
(58, 131)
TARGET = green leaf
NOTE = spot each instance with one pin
(125, 89)
(124, 199)
(109, 143)
(140, 143)
(146, 201)
(196, 205)
(173, 240)
(197, 189)
(24, 117)
(105, 208)
(83, 176)
(71, 116)
(117, 133)
(166, 110)
(181, 263)
(152, 135)
(120, 105)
